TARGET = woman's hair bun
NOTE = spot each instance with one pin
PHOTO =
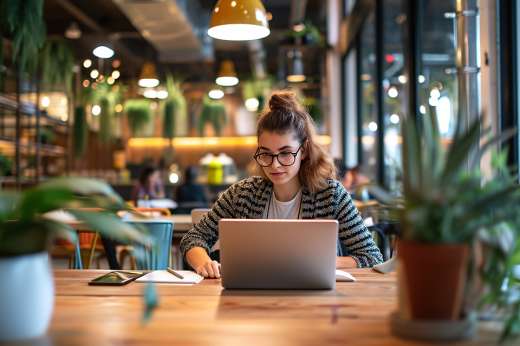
(284, 101)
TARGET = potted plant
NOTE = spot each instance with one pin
(446, 214)
(27, 233)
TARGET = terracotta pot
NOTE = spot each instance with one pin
(431, 280)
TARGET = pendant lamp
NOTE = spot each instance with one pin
(227, 75)
(296, 72)
(148, 77)
(238, 20)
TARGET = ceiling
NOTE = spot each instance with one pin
(173, 34)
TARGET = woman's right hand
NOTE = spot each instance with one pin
(198, 259)
(209, 269)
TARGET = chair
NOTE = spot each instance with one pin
(154, 212)
(197, 214)
(158, 257)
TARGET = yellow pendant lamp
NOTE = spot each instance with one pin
(296, 69)
(148, 77)
(227, 75)
(239, 20)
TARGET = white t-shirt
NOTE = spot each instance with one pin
(276, 209)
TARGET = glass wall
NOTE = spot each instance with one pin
(367, 97)
(437, 81)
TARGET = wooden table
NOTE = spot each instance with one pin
(205, 314)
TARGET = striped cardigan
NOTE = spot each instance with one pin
(248, 199)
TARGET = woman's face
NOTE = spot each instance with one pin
(283, 144)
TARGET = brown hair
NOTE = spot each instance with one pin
(283, 114)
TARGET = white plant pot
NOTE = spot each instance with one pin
(26, 296)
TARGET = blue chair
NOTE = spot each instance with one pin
(157, 257)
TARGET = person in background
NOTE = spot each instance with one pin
(352, 179)
(296, 181)
(190, 192)
(149, 185)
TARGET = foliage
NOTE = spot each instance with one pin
(5, 165)
(106, 96)
(57, 64)
(23, 23)
(257, 88)
(80, 131)
(310, 35)
(47, 135)
(174, 107)
(26, 228)
(214, 112)
(138, 114)
(501, 249)
(314, 108)
(446, 201)
(105, 120)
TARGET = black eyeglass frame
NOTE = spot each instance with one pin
(294, 154)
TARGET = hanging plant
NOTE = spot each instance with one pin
(57, 64)
(174, 108)
(169, 118)
(22, 22)
(80, 131)
(213, 112)
(105, 120)
(138, 114)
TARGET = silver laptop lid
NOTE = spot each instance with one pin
(278, 254)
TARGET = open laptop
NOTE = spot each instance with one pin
(278, 254)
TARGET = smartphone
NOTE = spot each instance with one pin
(116, 278)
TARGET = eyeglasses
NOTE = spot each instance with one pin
(285, 158)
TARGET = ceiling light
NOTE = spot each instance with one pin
(103, 52)
(299, 27)
(87, 63)
(94, 74)
(252, 104)
(421, 79)
(119, 108)
(45, 102)
(148, 77)
(96, 110)
(162, 94)
(393, 92)
(216, 94)
(227, 75)
(394, 118)
(150, 94)
(402, 79)
(239, 20)
(116, 74)
(116, 63)
(86, 83)
(73, 32)
(110, 80)
(372, 126)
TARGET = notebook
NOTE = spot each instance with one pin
(162, 276)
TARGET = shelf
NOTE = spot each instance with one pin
(204, 142)
(7, 147)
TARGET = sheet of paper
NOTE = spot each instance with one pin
(342, 275)
(163, 276)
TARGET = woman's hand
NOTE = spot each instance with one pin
(198, 258)
(210, 269)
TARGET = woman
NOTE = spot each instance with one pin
(295, 182)
(149, 185)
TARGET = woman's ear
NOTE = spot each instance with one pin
(304, 151)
